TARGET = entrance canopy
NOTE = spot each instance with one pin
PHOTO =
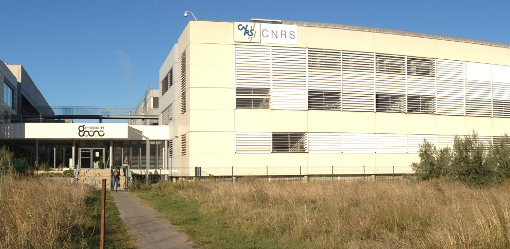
(85, 131)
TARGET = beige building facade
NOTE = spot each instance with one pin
(289, 98)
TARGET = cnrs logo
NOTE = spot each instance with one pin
(248, 30)
(90, 131)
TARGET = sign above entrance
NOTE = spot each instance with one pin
(265, 33)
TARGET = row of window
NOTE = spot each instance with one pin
(301, 142)
(282, 78)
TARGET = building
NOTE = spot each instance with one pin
(31, 128)
(272, 97)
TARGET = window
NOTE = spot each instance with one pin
(252, 98)
(183, 144)
(166, 116)
(8, 95)
(183, 82)
(171, 149)
(289, 142)
(420, 67)
(421, 104)
(324, 100)
(167, 82)
(390, 103)
(390, 64)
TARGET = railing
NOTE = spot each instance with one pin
(276, 171)
(89, 110)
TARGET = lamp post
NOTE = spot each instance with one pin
(186, 14)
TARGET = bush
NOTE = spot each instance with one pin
(433, 163)
(470, 161)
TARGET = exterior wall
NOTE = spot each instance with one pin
(212, 123)
(27, 88)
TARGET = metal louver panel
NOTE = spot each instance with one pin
(445, 141)
(414, 142)
(358, 143)
(183, 82)
(390, 83)
(253, 66)
(450, 87)
(501, 91)
(358, 82)
(166, 115)
(289, 142)
(324, 79)
(253, 143)
(391, 143)
(325, 143)
(421, 85)
(289, 85)
(183, 145)
(478, 89)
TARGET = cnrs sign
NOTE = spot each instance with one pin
(265, 33)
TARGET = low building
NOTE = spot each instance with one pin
(287, 98)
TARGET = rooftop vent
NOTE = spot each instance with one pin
(260, 20)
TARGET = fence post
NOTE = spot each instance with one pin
(300, 173)
(332, 173)
(267, 172)
(363, 170)
(232, 173)
(393, 170)
(103, 212)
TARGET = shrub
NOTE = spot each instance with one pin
(469, 161)
(433, 163)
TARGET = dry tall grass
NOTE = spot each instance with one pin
(42, 213)
(360, 214)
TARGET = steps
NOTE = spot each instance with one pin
(94, 178)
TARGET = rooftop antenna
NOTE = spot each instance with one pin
(186, 14)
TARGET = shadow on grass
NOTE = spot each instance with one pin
(206, 231)
(116, 235)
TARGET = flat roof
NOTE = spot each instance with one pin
(394, 32)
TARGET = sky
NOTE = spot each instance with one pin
(107, 53)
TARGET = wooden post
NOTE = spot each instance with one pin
(103, 212)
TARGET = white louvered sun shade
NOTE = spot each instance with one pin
(183, 82)
(501, 91)
(292, 142)
(253, 77)
(253, 143)
(324, 79)
(478, 89)
(358, 143)
(166, 115)
(391, 143)
(390, 83)
(325, 142)
(358, 81)
(450, 87)
(421, 85)
(334, 143)
(289, 84)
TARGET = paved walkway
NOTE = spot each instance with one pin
(152, 232)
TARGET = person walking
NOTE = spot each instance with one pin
(116, 179)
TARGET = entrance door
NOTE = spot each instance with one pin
(92, 158)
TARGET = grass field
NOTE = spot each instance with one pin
(38, 212)
(356, 214)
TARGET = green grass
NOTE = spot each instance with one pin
(206, 231)
(116, 235)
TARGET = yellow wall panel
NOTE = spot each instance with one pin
(212, 120)
(216, 76)
(203, 98)
(212, 32)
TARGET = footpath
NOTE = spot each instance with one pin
(150, 231)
